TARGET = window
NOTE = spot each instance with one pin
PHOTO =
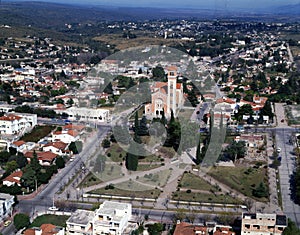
(256, 226)
(247, 226)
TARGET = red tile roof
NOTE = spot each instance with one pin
(184, 228)
(10, 117)
(47, 229)
(12, 177)
(59, 145)
(19, 143)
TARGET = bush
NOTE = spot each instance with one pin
(21, 221)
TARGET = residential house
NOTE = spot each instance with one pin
(6, 205)
(263, 224)
(183, 228)
(13, 178)
(45, 229)
(45, 158)
(65, 136)
(59, 148)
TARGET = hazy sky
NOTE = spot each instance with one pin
(211, 4)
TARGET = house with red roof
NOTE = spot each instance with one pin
(59, 148)
(13, 178)
(45, 229)
(66, 136)
(45, 158)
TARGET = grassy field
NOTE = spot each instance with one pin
(89, 180)
(158, 179)
(192, 181)
(37, 133)
(117, 153)
(119, 190)
(147, 167)
(242, 179)
(204, 197)
(58, 220)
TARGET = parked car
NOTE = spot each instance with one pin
(7, 222)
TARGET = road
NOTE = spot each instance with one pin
(286, 170)
(45, 197)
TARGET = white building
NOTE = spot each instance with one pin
(87, 114)
(12, 123)
(6, 205)
(65, 136)
(80, 223)
(263, 224)
(111, 218)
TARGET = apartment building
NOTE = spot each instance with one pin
(6, 205)
(15, 123)
(111, 218)
(263, 224)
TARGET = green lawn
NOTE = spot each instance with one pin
(117, 153)
(58, 220)
(147, 167)
(90, 180)
(242, 179)
(192, 181)
(132, 191)
(37, 133)
(204, 197)
(157, 179)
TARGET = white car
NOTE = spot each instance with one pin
(53, 208)
(278, 150)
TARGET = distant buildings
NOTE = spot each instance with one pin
(111, 218)
(263, 224)
(166, 96)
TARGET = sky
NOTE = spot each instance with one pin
(200, 4)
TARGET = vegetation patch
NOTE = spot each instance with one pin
(58, 220)
(37, 133)
(246, 180)
(192, 181)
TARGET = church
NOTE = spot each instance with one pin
(166, 96)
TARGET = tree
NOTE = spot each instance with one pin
(260, 191)
(11, 166)
(246, 109)
(70, 102)
(76, 147)
(105, 143)
(131, 160)
(158, 73)
(143, 129)
(199, 156)
(155, 229)
(21, 221)
(291, 229)
(235, 150)
(29, 177)
(60, 162)
(35, 164)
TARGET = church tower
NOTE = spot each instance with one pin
(172, 100)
